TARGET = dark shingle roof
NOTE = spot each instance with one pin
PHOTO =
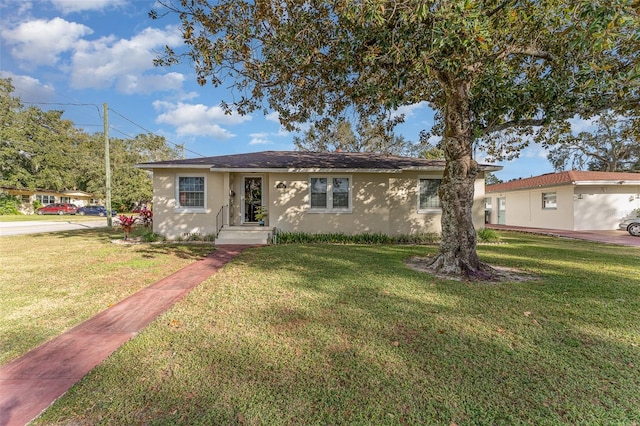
(564, 178)
(305, 160)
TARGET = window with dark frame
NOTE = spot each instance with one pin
(330, 193)
(549, 200)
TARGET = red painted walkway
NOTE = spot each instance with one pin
(29, 384)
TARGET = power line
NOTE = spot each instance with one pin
(149, 131)
(176, 145)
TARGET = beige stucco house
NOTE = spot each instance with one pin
(333, 192)
(569, 200)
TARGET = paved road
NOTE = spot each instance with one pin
(36, 227)
(621, 238)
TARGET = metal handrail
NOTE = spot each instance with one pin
(220, 219)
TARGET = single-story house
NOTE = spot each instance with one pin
(308, 192)
(569, 200)
(46, 196)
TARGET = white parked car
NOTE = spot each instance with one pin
(632, 226)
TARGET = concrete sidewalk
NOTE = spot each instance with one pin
(620, 238)
(29, 384)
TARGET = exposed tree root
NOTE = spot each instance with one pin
(485, 272)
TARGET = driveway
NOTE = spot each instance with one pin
(620, 238)
(37, 227)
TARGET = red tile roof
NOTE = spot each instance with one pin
(564, 178)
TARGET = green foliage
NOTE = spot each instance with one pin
(485, 67)
(371, 135)
(365, 238)
(488, 235)
(152, 237)
(614, 146)
(38, 149)
(491, 179)
(9, 204)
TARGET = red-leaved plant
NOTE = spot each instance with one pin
(147, 218)
(126, 222)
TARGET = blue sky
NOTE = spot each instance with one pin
(76, 55)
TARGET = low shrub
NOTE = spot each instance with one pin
(487, 235)
(364, 238)
(152, 237)
(9, 204)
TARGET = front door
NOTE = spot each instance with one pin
(252, 198)
(502, 211)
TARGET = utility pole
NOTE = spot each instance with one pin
(107, 165)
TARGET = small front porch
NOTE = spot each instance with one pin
(244, 234)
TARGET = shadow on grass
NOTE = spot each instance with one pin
(183, 250)
(348, 335)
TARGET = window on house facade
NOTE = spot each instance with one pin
(330, 193)
(428, 194)
(65, 199)
(549, 200)
(191, 192)
(25, 199)
(46, 199)
(487, 203)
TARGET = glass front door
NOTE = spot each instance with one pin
(252, 198)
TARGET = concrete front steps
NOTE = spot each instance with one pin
(241, 235)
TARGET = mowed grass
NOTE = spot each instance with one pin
(336, 334)
(52, 282)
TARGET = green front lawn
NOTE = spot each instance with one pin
(339, 334)
(52, 282)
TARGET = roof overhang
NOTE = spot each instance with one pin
(606, 182)
(151, 166)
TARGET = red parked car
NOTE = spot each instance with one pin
(58, 208)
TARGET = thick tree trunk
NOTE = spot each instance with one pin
(458, 245)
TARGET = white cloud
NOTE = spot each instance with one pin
(534, 150)
(69, 6)
(273, 116)
(581, 125)
(409, 110)
(259, 139)
(198, 119)
(28, 88)
(123, 62)
(41, 42)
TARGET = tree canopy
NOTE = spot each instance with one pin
(41, 150)
(485, 66)
(614, 145)
(375, 137)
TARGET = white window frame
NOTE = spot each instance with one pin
(190, 209)
(329, 208)
(428, 209)
(41, 199)
(547, 204)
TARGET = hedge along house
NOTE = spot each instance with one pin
(570, 200)
(333, 192)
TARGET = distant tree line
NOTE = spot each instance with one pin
(40, 149)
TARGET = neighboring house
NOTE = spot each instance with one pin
(332, 192)
(44, 197)
(571, 200)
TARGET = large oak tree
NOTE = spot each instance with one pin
(485, 66)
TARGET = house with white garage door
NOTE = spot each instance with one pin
(569, 200)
